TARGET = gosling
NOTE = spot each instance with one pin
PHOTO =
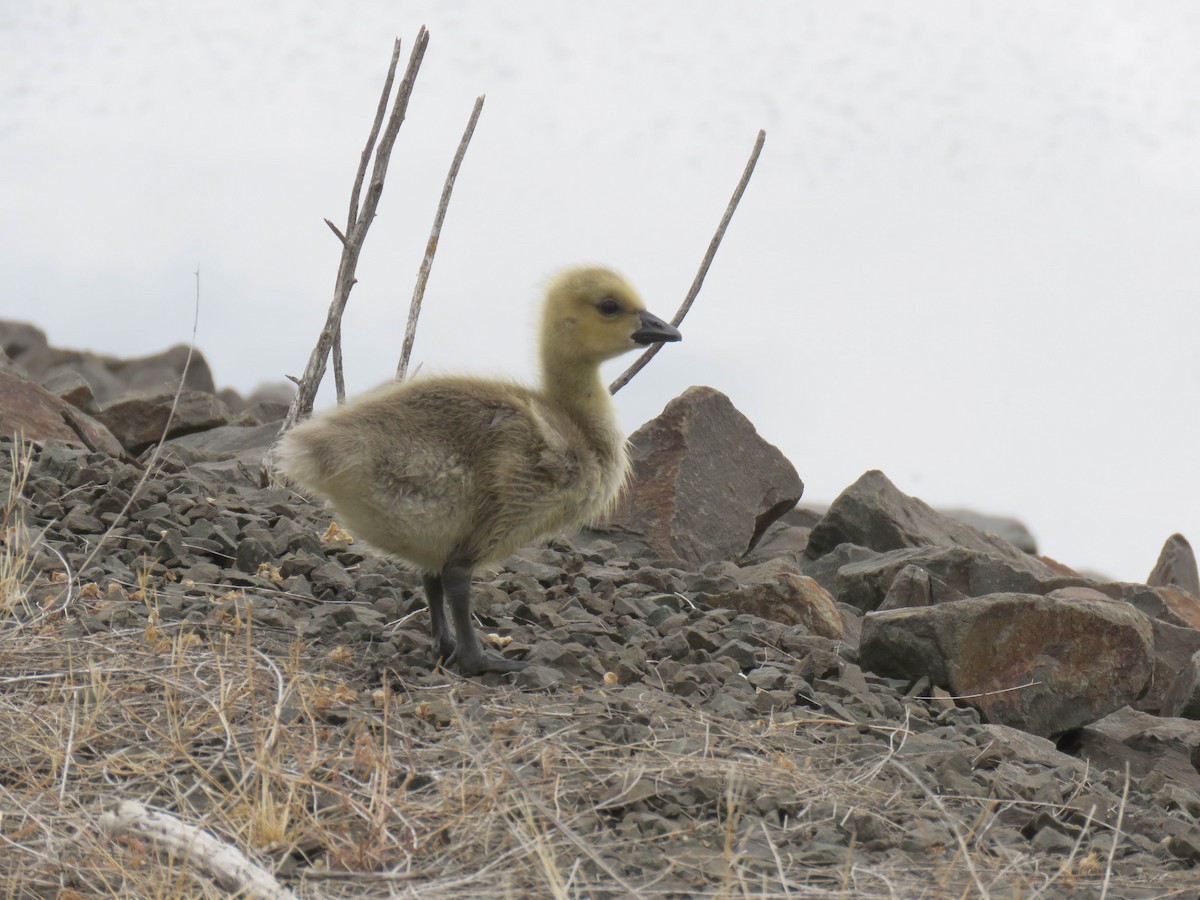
(451, 473)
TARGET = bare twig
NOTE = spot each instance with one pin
(359, 222)
(642, 360)
(414, 310)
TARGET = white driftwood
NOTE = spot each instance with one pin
(231, 868)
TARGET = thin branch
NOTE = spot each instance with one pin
(365, 159)
(414, 310)
(642, 360)
(356, 233)
(339, 379)
(341, 237)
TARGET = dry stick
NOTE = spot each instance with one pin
(641, 361)
(414, 310)
(232, 869)
(339, 380)
(358, 223)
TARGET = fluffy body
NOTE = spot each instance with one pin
(478, 470)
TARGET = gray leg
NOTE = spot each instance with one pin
(470, 656)
(443, 640)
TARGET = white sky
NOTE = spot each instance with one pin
(967, 258)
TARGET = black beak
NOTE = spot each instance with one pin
(654, 330)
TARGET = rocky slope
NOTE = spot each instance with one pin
(876, 695)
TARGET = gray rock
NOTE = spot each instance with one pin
(705, 486)
(914, 586)
(824, 570)
(1182, 696)
(874, 513)
(1041, 664)
(1175, 688)
(1012, 530)
(139, 422)
(224, 442)
(1145, 743)
(956, 570)
(1176, 566)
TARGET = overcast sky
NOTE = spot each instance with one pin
(968, 256)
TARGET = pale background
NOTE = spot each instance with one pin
(968, 257)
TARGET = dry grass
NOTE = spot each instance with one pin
(443, 788)
(452, 789)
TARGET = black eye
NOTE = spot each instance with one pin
(608, 306)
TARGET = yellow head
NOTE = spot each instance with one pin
(592, 314)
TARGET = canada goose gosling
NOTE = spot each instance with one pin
(449, 473)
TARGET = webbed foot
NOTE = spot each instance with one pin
(490, 662)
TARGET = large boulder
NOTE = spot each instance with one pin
(704, 486)
(1045, 665)
(874, 513)
(28, 409)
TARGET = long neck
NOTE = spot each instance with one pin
(576, 387)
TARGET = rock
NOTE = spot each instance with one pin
(705, 486)
(72, 387)
(28, 409)
(1146, 743)
(223, 443)
(1012, 530)
(1175, 688)
(140, 421)
(824, 570)
(777, 591)
(1041, 664)
(781, 540)
(913, 586)
(1176, 566)
(18, 339)
(874, 513)
(160, 372)
(1179, 606)
(1182, 695)
(108, 377)
(958, 571)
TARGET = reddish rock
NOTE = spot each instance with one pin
(705, 486)
(1176, 566)
(139, 422)
(874, 513)
(1180, 605)
(1045, 665)
(28, 409)
(776, 590)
